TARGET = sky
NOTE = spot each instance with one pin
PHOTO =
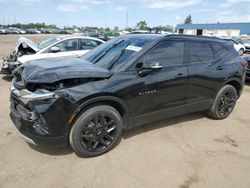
(111, 13)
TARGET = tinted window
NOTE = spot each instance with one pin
(219, 50)
(48, 42)
(87, 44)
(112, 54)
(139, 41)
(116, 52)
(166, 53)
(200, 52)
(68, 45)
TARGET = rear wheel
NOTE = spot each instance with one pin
(224, 103)
(96, 131)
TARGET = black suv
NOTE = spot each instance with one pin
(126, 82)
(247, 58)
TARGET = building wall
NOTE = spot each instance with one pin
(222, 32)
(215, 32)
(189, 31)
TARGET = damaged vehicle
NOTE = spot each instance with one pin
(129, 81)
(24, 46)
(59, 46)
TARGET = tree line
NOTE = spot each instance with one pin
(142, 25)
(32, 26)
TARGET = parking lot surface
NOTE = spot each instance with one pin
(182, 152)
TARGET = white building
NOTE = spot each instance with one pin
(219, 29)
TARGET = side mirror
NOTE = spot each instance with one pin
(54, 49)
(154, 67)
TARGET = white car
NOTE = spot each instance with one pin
(59, 46)
(240, 48)
(246, 43)
(62, 46)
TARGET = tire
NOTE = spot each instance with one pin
(241, 52)
(224, 103)
(96, 131)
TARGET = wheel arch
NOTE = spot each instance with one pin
(112, 101)
(236, 84)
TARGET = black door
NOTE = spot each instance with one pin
(163, 89)
(205, 71)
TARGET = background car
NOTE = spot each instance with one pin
(236, 42)
(246, 43)
(240, 48)
(59, 46)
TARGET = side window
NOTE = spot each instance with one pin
(167, 53)
(219, 50)
(200, 52)
(88, 44)
(68, 45)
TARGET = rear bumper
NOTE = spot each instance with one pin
(248, 74)
(248, 70)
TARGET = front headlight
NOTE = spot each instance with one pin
(26, 96)
(17, 63)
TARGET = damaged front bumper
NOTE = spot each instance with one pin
(40, 120)
(8, 67)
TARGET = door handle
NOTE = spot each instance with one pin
(180, 75)
(219, 68)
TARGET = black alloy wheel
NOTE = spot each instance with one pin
(224, 103)
(96, 131)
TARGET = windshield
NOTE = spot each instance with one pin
(115, 52)
(47, 42)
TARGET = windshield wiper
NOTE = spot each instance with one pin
(116, 58)
(104, 52)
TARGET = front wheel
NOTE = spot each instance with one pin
(241, 51)
(96, 131)
(224, 103)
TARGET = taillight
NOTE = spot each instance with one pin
(244, 64)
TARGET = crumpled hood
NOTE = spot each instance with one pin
(28, 42)
(56, 69)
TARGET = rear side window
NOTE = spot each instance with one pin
(167, 53)
(88, 44)
(68, 45)
(200, 52)
(219, 50)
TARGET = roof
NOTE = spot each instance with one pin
(196, 37)
(142, 35)
(139, 39)
(243, 27)
(61, 37)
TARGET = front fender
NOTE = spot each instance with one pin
(113, 101)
